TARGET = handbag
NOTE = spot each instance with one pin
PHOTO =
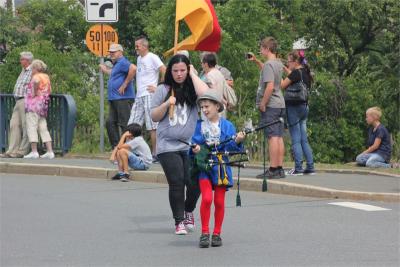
(230, 96)
(297, 92)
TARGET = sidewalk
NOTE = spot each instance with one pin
(326, 183)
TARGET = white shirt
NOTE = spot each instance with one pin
(147, 73)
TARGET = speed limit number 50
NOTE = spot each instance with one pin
(99, 38)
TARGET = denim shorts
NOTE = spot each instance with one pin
(270, 115)
(136, 163)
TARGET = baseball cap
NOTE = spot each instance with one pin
(115, 47)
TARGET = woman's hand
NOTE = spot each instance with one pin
(196, 149)
(172, 100)
(240, 137)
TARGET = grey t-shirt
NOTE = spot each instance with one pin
(141, 149)
(181, 127)
(271, 72)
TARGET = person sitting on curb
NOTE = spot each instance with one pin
(379, 145)
(132, 151)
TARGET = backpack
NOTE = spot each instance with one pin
(230, 97)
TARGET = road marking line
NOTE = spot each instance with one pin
(359, 206)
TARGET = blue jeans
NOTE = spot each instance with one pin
(372, 160)
(297, 118)
(136, 162)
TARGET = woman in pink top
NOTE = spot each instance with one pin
(36, 107)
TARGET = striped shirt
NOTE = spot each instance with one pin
(22, 82)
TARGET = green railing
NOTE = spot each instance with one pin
(60, 121)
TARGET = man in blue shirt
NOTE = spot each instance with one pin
(121, 94)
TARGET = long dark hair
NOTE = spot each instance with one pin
(184, 92)
(295, 56)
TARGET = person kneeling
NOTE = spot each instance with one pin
(132, 151)
(209, 133)
(379, 145)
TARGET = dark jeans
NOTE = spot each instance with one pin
(118, 118)
(176, 169)
(297, 120)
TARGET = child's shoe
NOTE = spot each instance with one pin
(189, 221)
(117, 176)
(125, 177)
(204, 241)
(180, 229)
(216, 241)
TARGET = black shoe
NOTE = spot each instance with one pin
(267, 174)
(117, 176)
(216, 241)
(125, 177)
(309, 172)
(204, 241)
(155, 159)
(282, 173)
(271, 174)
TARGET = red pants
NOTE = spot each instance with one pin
(205, 208)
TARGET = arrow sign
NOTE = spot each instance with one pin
(101, 10)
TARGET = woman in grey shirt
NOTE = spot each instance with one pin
(180, 91)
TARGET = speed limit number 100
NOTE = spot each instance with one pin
(99, 38)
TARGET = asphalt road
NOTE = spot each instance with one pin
(339, 181)
(60, 221)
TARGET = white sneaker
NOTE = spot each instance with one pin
(48, 155)
(32, 155)
(180, 229)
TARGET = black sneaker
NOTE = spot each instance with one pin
(117, 176)
(271, 174)
(282, 173)
(204, 241)
(216, 241)
(294, 172)
(155, 159)
(267, 174)
(309, 172)
(125, 177)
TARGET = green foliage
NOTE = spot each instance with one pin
(61, 22)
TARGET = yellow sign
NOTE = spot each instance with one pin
(99, 38)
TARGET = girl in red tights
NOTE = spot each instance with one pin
(210, 131)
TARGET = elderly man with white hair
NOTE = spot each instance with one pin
(18, 142)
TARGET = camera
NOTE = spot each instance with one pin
(249, 55)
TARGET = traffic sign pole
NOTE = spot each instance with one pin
(101, 11)
(101, 78)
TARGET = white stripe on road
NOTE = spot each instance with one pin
(358, 206)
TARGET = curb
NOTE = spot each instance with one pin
(344, 171)
(260, 167)
(247, 184)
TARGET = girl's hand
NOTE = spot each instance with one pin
(240, 137)
(196, 149)
(172, 100)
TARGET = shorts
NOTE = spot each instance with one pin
(270, 115)
(141, 112)
(34, 123)
(136, 163)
